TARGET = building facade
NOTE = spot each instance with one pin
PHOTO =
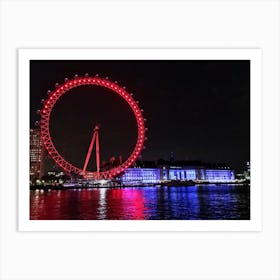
(141, 175)
(36, 155)
(173, 173)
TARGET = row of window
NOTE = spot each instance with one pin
(218, 175)
(189, 174)
(182, 174)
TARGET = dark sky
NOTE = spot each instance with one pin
(199, 110)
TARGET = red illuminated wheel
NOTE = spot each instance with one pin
(45, 125)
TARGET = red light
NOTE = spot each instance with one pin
(63, 89)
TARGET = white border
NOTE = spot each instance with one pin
(254, 55)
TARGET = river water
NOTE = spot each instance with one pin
(208, 202)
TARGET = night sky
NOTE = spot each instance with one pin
(199, 110)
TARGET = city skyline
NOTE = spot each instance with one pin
(199, 110)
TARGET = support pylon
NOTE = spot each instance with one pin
(97, 154)
(95, 138)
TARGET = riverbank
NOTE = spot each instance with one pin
(180, 184)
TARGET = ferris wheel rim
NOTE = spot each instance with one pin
(56, 94)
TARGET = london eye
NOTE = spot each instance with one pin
(67, 166)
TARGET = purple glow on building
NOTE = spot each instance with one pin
(182, 174)
(157, 175)
(219, 175)
(141, 175)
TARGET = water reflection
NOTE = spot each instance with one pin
(149, 203)
(102, 205)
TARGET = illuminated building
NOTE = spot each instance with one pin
(247, 173)
(176, 173)
(141, 175)
(36, 155)
(219, 175)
